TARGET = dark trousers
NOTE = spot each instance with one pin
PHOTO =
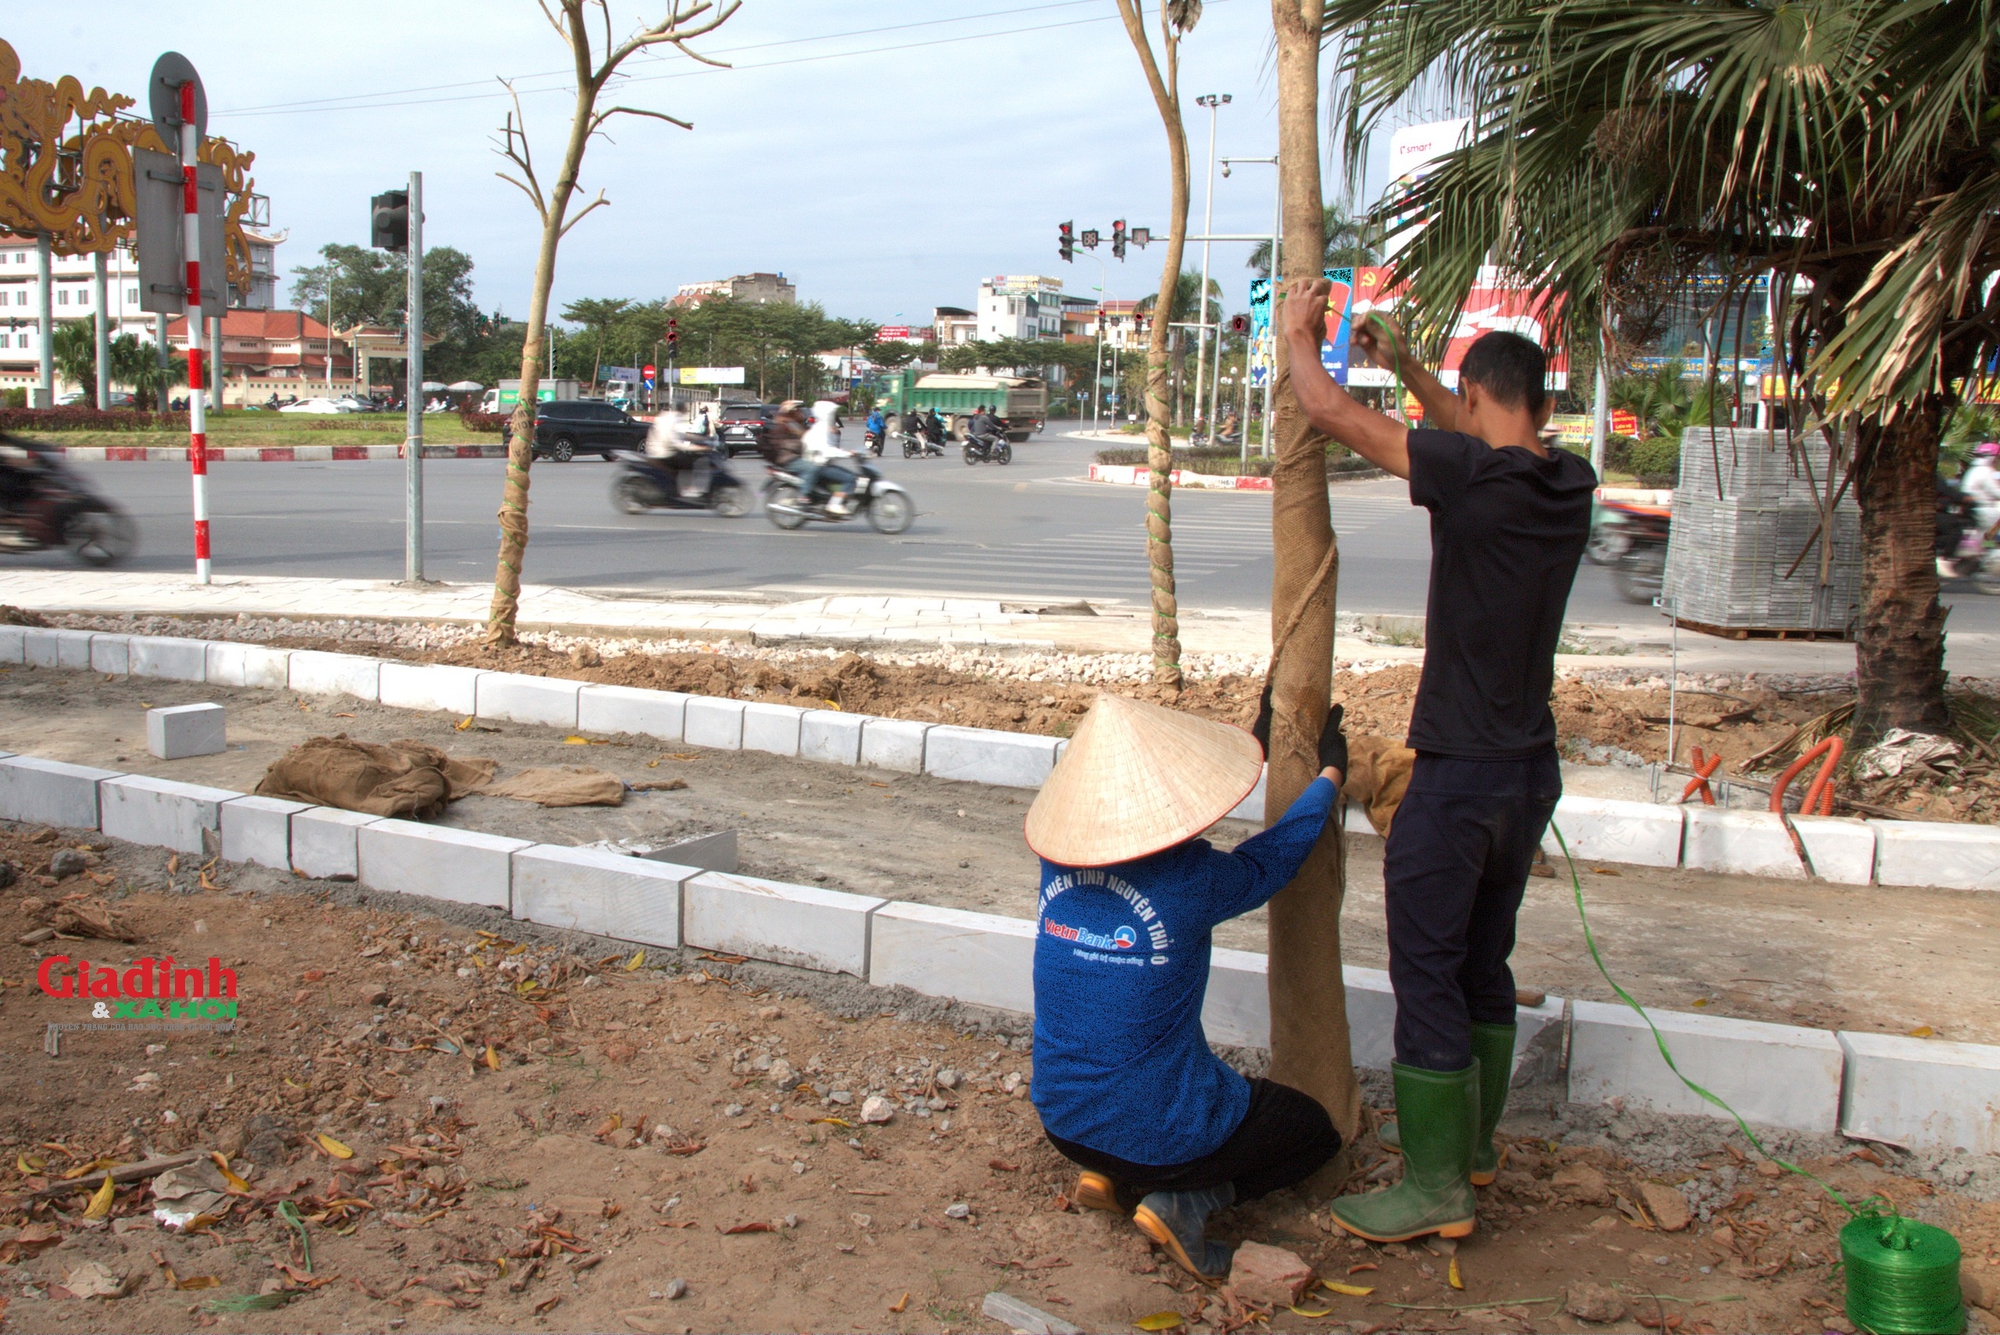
(1452, 876)
(1282, 1139)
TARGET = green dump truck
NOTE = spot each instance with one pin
(1021, 401)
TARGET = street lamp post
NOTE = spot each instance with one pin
(1270, 372)
(1212, 101)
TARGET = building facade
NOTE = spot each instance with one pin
(286, 353)
(760, 289)
(1020, 306)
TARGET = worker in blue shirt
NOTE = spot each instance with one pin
(1125, 1082)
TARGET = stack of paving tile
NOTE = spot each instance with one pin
(1743, 512)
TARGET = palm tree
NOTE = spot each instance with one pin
(1619, 149)
(1347, 243)
(74, 352)
(1186, 300)
(597, 314)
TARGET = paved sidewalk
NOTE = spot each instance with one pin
(1101, 626)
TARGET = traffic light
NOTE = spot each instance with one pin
(673, 336)
(1090, 238)
(1118, 238)
(1141, 235)
(1066, 241)
(390, 221)
(1239, 324)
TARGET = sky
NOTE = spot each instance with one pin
(885, 155)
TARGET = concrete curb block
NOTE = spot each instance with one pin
(800, 925)
(603, 893)
(1773, 1074)
(411, 858)
(1921, 1092)
(1915, 853)
(144, 810)
(976, 755)
(1931, 1095)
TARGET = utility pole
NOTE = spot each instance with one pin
(190, 143)
(45, 295)
(1212, 101)
(100, 299)
(1600, 410)
(1271, 372)
(413, 395)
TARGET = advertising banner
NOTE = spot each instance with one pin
(711, 375)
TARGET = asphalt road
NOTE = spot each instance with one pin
(1031, 530)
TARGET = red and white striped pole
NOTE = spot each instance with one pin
(197, 376)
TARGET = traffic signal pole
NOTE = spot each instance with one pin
(197, 369)
(413, 395)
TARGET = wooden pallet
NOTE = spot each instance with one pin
(1761, 632)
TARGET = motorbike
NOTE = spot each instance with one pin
(886, 505)
(701, 481)
(871, 442)
(1631, 538)
(988, 449)
(923, 443)
(57, 509)
(1965, 550)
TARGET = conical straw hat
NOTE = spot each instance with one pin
(1137, 778)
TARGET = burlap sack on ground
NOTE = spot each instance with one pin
(1378, 774)
(562, 786)
(402, 778)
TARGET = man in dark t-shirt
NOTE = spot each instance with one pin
(1509, 521)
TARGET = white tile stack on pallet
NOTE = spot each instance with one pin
(1744, 510)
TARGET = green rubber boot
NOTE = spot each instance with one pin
(1440, 1116)
(1493, 1049)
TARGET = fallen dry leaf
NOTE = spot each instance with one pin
(92, 1280)
(754, 1226)
(1452, 1276)
(1158, 1321)
(100, 1204)
(901, 1303)
(1350, 1290)
(333, 1147)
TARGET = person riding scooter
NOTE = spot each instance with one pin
(831, 481)
(667, 441)
(876, 428)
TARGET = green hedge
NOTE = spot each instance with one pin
(1230, 463)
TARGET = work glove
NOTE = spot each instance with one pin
(1332, 741)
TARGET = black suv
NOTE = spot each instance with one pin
(741, 427)
(565, 428)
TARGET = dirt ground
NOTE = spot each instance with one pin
(1861, 958)
(477, 1125)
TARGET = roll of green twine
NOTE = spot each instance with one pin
(1902, 1276)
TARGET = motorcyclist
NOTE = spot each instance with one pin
(985, 426)
(784, 444)
(877, 426)
(934, 429)
(822, 449)
(1981, 484)
(668, 442)
(20, 468)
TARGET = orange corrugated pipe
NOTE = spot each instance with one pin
(1821, 789)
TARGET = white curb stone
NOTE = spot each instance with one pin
(1773, 1074)
(143, 810)
(1955, 857)
(175, 732)
(714, 723)
(1602, 829)
(1251, 808)
(317, 673)
(772, 728)
(1237, 1006)
(56, 648)
(411, 858)
(801, 925)
(830, 737)
(1840, 848)
(323, 842)
(1371, 1017)
(432, 687)
(972, 957)
(38, 646)
(111, 654)
(1923, 1093)
(13, 644)
(980, 755)
(520, 698)
(893, 743)
(661, 715)
(167, 656)
(603, 893)
(259, 829)
(49, 792)
(249, 665)
(1745, 843)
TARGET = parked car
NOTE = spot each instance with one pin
(741, 427)
(565, 428)
(83, 398)
(322, 406)
(350, 404)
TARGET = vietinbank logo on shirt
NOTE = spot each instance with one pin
(1110, 943)
(1122, 939)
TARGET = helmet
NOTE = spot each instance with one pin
(1986, 450)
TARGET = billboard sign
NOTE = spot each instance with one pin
(893, 333)
(1412, 150)
(711, 375)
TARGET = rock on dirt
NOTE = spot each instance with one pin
(1594, 1303)
(1667, 1206)
(876, 1109)
(1261, 1274)
(1583, 1184)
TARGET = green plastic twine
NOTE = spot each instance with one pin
(1902, 1274)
